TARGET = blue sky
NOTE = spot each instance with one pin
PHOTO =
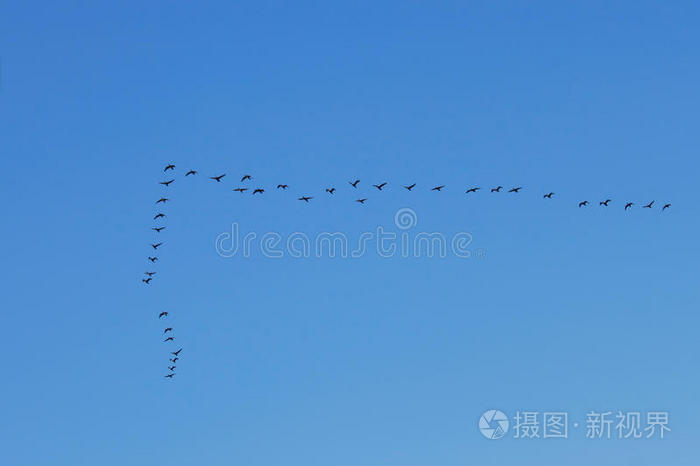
(367, 360)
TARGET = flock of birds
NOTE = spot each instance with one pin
(168, 336)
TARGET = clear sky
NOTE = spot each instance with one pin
(346, 361)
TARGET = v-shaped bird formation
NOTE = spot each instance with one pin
(245, 185)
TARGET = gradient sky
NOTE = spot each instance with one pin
(331, 361)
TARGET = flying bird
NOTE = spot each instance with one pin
(548, 195)
(240, 190)
(354, 183)
(258, 190)
(217, 178)
(170, 376)
(172, 368)
(472, 190)
(191, 172)
(666, 206)
(379, 186)
(166, 183)
(150, 274)
(158, 215)
(152, 259)
(281, 186)
(497, 189)
(361, 201)
(168, 339)
(583, 203)
(155, 246)
(146, 280)
(158, 229)
(169, 167)
(605, 202)
(648, 206)
(330, 190)
(163, 314)
(174, 360)
(515, 190)
(169, 329)
(176, 352)
(438, 188)
(410, 186)
(163, 200)
(246, 177)
(628, 205)
(305, 198)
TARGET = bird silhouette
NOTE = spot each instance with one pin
(169, 339)
(172, 368)
(169, 167)
(163, 200)
(174, 360)
(281, 186)
(666, 206)
(330, 190)
(246, 177)
(166, 183)
(240, 190)
(548, 195)
(146, 280)
(496, 189)
(628, 205)
(158, 215)
(361, 201)
(648, 206)
(354, 183)
(170, 376)
(158, 229)
(258, 190)
(472, 190)
(163, 314)
(605, 202)
(169, 329)
(152, 259)
(217, 178)
(379, 186)
(176, 353)
(438, 188)
(583, 203)
(410, 186)
(155, 246)
(515, 190)
(305, 198)
(150, 274)
(191, 172)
